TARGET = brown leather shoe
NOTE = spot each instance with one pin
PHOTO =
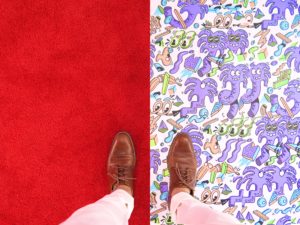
(182, 164)
(121, 162)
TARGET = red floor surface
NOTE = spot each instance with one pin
(72, 74)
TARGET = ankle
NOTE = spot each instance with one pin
(125, 188)
(178, 190)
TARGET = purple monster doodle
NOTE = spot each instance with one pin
(191, 7)
(293, 93)
(237, 40)
(270, 130)
(200, 89)
(281, 176)
(291, 128)
(293, 54)
(257, 74)
(197, 137)
(213, 43)
(234, 75)
(282, 6)
(252, 176)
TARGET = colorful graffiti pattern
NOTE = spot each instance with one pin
(227, 72)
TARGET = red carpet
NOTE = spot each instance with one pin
(72, 74)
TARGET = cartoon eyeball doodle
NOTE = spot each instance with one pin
(162, 108)
(211, 196)
(221, 21)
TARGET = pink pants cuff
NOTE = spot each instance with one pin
(187, 210)
(112, 209)
(116, 208)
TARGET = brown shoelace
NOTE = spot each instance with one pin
(185, 176)
(121, 175)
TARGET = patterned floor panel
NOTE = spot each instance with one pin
(227, 72)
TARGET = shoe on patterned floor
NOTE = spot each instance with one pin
(121, 163)
(182, 165)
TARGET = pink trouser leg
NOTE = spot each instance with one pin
(112, 209)
(190, 211)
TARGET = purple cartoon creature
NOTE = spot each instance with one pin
(235, 75)
(252, 176)
(281, 6)
(292, 93)
(291, 128)
(192, 7)
(258, 73)
(212, 43)
(293, 55)
(237, 40)
(271, 131)
(202, 89)
(285, 175)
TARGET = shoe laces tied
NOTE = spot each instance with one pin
(121, 175)
(186, 176)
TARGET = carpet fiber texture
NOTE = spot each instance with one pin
(72, 74)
